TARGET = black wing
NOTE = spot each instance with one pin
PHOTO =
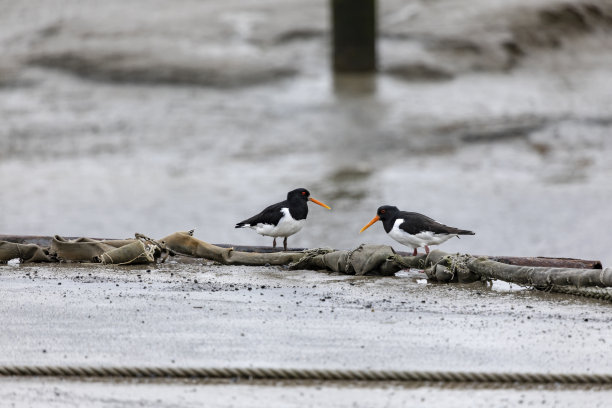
(415, 223)
(270, 215)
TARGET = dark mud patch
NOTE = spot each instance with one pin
(165, 68)
(420, 72)
(346, 182)
(551, 26)
(515, 33)
(459, 46)
(345, 174)
(497, 133)
(300, 34)
(493, 131)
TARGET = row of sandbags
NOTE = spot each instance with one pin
(364, 260)
(128, 251)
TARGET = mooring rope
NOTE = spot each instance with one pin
(594, 293)
(268, 373)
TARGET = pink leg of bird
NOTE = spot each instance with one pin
(426, 249)
(414, 253)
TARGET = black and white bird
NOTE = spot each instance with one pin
(413, 229)
(282, 219)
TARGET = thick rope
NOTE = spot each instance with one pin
(306, 374)
(593, 293)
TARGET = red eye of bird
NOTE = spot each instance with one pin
(303, 193)
(382, 211)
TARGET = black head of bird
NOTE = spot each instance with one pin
(304, 195)
(384, 213)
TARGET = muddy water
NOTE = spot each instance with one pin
(118, 118)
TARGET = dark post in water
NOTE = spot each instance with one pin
(354, 35)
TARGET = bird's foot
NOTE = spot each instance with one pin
(426, 249)
(285, 243)
(414, 253)
(274, 243)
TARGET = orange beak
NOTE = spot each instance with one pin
(377, 218)
(320, 203)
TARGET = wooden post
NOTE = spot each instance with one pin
(354, 35)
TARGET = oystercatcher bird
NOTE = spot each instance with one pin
(282, 219)
(413, 229)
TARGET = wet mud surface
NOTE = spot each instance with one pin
(58, 392)
(217, 316)
(213, 315)
(492, 117)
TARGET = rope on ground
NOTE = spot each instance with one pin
(593, 293)
(306, 374)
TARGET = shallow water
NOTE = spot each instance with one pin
(516, 151)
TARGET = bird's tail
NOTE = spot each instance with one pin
(241, 225)
(465, 232)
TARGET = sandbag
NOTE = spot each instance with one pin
(365, 260)
(78, 250)
(133, 253)
(185, 243)
(24, 252)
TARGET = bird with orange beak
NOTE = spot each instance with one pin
(282, 219)
(413, 229)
